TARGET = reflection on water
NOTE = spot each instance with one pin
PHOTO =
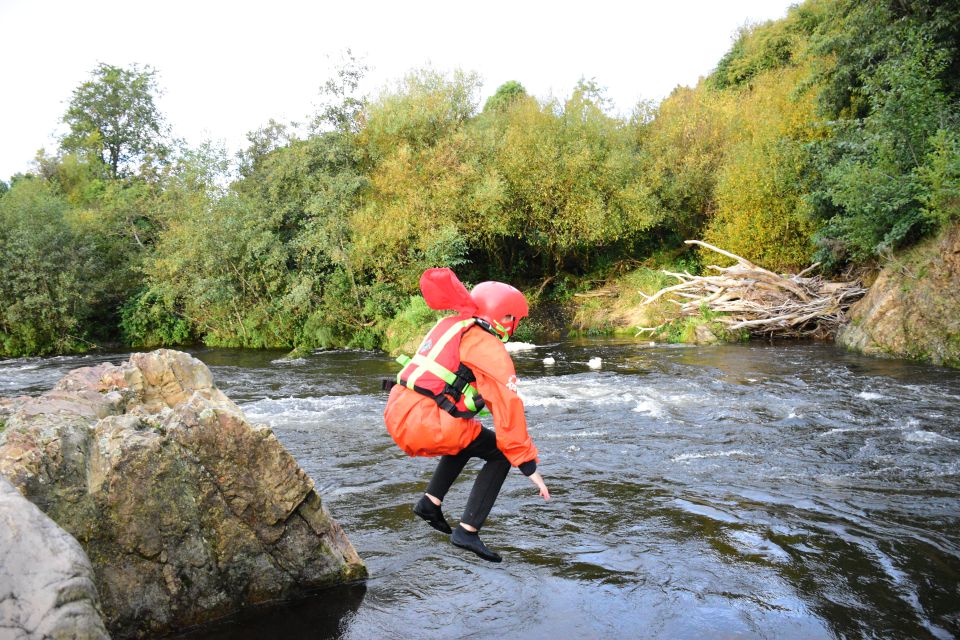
(748, 491)
(323, 616)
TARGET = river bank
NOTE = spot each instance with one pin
(911, 309)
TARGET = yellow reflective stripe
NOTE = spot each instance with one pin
(416, 371)
(435, 368)
(418, 359)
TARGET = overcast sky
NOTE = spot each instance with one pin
(227, 67)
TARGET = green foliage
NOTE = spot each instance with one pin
(761, 212)
(561, 184)
(409, 326)
(684, 330)
(505, 95)
(147, 320)
(343, 107)
(757, 49)
(940, 179)
(421, 110)
(681, 151)
(112, 117)
(226, 267)
(48, 270)
(895, 89)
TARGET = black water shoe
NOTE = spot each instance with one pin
(471, 542)
(432, 514)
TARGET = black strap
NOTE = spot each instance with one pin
(464, 376)
(443, 401)
(450, 407)
(486, 326)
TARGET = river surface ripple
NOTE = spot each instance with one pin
(745, 491)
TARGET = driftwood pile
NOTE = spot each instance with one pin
(761, 301)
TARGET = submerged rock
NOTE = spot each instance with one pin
(46, 581)
(187, 511)
(913, 308)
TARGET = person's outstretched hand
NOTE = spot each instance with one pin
(537, 479)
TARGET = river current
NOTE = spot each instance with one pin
(743, 491)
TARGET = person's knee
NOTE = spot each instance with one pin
(500, 464)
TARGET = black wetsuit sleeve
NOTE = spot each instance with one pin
(527, 468)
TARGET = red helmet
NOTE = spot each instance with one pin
(495, 300)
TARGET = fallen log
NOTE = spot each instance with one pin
(760, 301)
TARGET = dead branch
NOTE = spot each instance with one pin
(763, 302)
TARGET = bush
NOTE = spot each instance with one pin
(48, 284)
(404, 332)
(148, 320)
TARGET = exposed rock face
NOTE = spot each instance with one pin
(913, 309)
(46, 581)
(186, 511)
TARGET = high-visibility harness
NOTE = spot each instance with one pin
(436, 371)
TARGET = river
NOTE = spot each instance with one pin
(743, 491)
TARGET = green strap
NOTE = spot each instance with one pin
(403, 360)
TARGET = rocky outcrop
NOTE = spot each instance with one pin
(187, 511)
(913, 308)
(46, 581)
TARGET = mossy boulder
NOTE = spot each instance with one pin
(912, 310)
(187, 511)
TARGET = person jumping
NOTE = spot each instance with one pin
(461, 369)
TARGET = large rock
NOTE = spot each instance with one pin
(46, 581)
(913, 308)
(186, 510)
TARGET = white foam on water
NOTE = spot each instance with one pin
(574, 434)
(840, 430)
(649, 406)
(869, 395)
(911, 423)
(926, 437)
(513, 347)
(683, 457)
(300, 408)
(287, 361)
(23, 367)
(573, 391)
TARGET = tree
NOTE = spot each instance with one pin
(113, 117)
(342, 105)
(504, 96)
(49, 273)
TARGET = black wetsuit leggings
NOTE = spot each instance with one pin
(488, 482)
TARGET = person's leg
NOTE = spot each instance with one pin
(448, 469)
(482, 496)
(488, 483)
